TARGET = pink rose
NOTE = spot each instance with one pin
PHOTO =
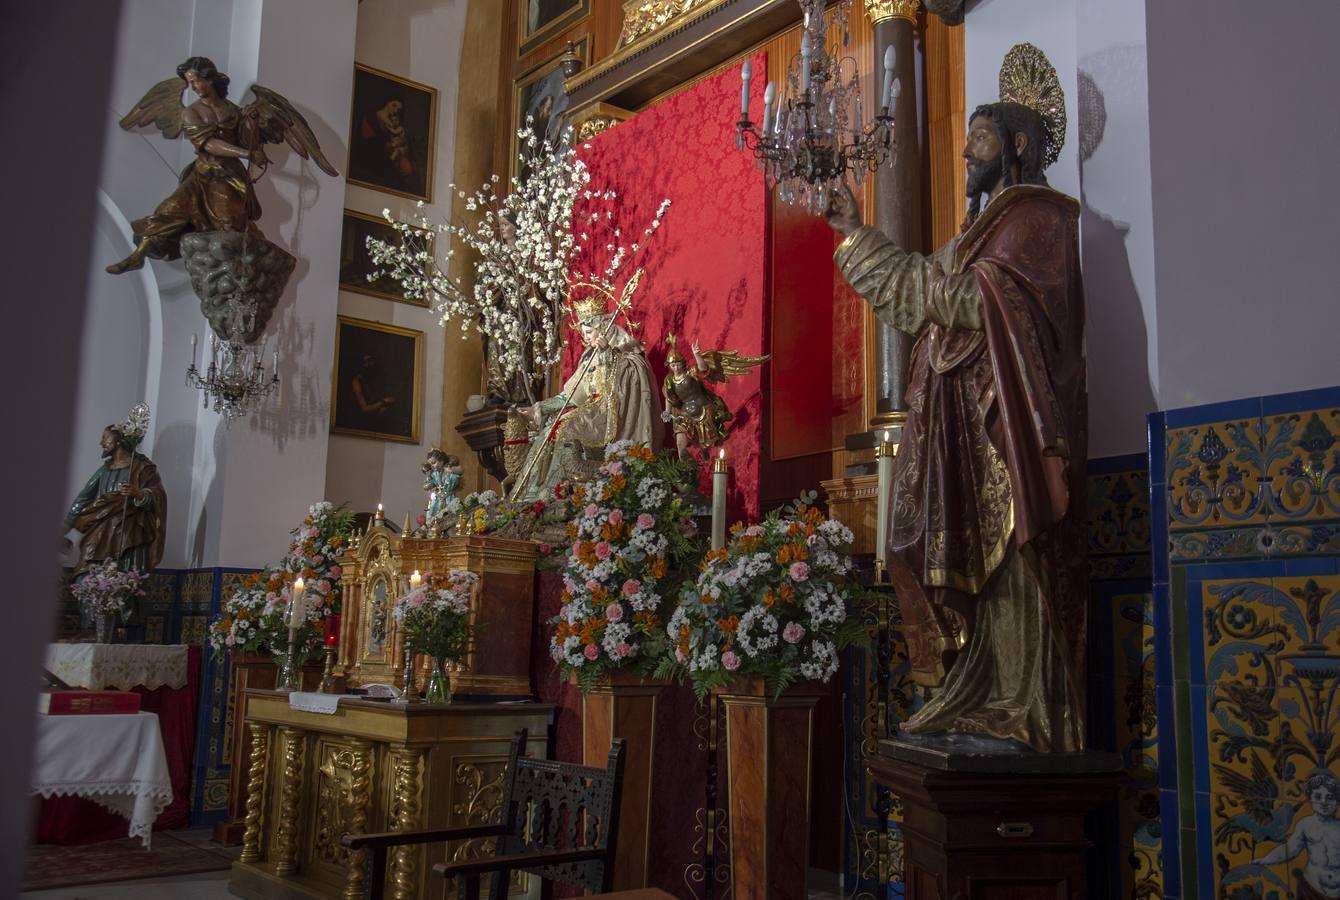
(603, 550)
(563, 611)
(793, 632)
(421, 519)
(729, 661)
(679, 655)
(631, 587)
(800, 571)
(546, 549)
(591, 651)
(592, 510)
(576, 547)
(228, 641)
(754, 531)
(645, 521)
(336, 571)
(616, 516)
(592, 584)
(615, 468)
(415, 600)
(614, 612)
(318, 559)
(324, 586)
(622, 650)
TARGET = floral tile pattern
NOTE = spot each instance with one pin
(1136, 738)
(1119, 524)
(1264, 486)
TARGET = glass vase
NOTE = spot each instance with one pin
(104, 621)
(438, 690)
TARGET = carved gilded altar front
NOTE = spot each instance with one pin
(372, 767)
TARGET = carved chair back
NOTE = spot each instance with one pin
(553, 807)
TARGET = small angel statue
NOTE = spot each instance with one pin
(441, 476)
(697, 415)
(214, 193)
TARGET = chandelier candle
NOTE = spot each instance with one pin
(889, 95)
(884, 461)
(720, 476)
(746, 75)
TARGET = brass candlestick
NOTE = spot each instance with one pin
(328, 674)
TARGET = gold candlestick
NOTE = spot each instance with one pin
(328, 674)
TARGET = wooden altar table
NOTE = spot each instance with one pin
(116, 761)
(370, 766)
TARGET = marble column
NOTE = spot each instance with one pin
(898, 211)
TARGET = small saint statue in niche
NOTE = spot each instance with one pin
(122, 510)
(696, 414)
(441, 477)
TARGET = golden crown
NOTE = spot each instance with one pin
(588, 308)
(1028, 78)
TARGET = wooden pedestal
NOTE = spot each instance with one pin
(993, 833)
(247, 670)
(624, 705)
(768, 746)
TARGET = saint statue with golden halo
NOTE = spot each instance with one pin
(695, 413)
(988, 504)
(609, 397)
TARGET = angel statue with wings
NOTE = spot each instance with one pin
(214, 193)
(697, 415)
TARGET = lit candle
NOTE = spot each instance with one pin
(415, 580)
(380, 514)
(746, 73)
(884, 461)
(768, 94)
(805, 51)
(297, 612)
(720, 473)
(888, 77)
(193, 339)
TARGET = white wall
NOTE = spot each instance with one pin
(233, 493)
(419, 40)
(1243, 128)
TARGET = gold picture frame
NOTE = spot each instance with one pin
(374, 364)
(529, 91)
(356, 262)
(392, 150)
(546, 25)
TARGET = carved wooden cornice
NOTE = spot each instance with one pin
(644, 17)
(684, 47)
(884, 10)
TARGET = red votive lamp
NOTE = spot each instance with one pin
(332, 630)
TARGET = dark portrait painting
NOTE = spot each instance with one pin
(356, 265)
(542, 19)
(378, 379)
(391, 134)
(541, 98)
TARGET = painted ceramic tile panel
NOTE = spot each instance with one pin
(1137, 740)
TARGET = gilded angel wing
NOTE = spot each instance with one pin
(274, 120)
(162, 106)
(722, 364)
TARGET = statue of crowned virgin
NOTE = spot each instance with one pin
(609, 397)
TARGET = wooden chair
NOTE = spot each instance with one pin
(560, 822)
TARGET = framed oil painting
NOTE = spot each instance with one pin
(540, 20)
(392, 134)
(356, 265)
(540, 95)
(378, 381)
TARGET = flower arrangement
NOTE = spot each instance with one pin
(104, 588)
(630, 528)
(254, 617)
(774, 602)
(436, 615)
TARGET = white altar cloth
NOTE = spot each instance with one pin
(117, 761)
(120, 667)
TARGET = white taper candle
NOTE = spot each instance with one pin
(746, 73)
(884, 462)
(297, 611)
(768, 94)
(888, 75)
(720, 476)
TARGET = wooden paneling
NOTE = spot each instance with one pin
(946, 128)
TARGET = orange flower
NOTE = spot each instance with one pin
(729, 624)
(657, 567)
(787, 593)
(618, 482)
(792, 553)
(647, 619)
(737, 528)
(769, 598)
(337, 541)
(599, 594)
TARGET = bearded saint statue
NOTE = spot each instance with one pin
(609, 397)
(988, 500)
(122, 509)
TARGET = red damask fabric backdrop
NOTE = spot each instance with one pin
(706, 269)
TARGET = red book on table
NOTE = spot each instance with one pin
(63, 703)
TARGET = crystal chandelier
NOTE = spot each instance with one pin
(809, 140)
(234, 382)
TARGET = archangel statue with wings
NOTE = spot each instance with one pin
(697, 415)
(215, 191)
